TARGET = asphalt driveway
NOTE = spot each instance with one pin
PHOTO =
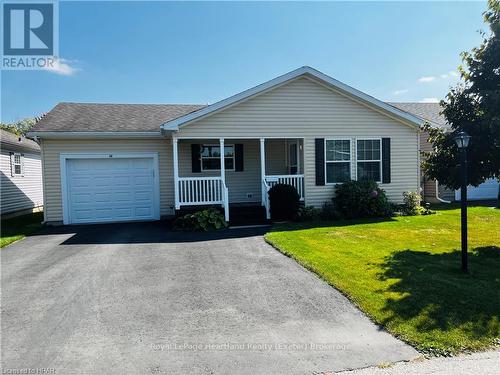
(139, 299)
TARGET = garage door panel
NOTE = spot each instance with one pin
(104, 213)
(143, 196)
(124, 196)
(83, 198)
(142, 181)
(139, 164)
(106, 190)
(83, 214)
(105, 181)
(143, 211)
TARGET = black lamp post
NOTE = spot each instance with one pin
(462, 140)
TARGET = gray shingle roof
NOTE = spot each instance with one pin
(426, 111)
(10, 139)
(97, 117)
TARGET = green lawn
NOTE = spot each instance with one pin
(19, 227)
(405, 273)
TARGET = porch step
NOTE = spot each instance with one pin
(247, 215)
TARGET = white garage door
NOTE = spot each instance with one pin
(487, 190)
(111, 190)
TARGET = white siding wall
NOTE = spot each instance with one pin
(306, 109)
(52, 174)
(21, 192)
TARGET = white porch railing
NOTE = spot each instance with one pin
(296, 180)
(200, 190)
(194, 191)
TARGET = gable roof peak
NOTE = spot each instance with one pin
(174, 124)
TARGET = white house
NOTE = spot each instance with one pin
(21, 175)
(126, 162)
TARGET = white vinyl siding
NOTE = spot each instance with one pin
(21, 192)
(306, 109)
(52, 148)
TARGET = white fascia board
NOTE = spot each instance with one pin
(174, 125)
(84, 135)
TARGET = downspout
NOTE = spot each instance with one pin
(437, 194)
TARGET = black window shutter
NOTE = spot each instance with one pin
(386, 160)
(195, 158)
(238, 157)
(319, 149)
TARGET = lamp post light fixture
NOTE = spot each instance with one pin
(462, 139)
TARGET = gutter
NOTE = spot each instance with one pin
(83, 135)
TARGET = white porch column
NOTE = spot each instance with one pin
(262, 166)
(176, 173)
(222, 161)
(225, 195)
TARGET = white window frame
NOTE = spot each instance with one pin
(367, 161)
(213, 157)
(339, 161)
(13, 164)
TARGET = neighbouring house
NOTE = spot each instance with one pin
(21, 180)
(127, 162)
(432, 190)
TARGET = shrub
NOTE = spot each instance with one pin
(201, 221)
(411, 203)
(308, 213)
(329, 212)
(357, 199)
(284, 201)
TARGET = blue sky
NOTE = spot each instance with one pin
(166, 52)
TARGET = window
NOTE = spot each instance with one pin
(16, 164)
(369, 161)
(338, 160)
(210, 157)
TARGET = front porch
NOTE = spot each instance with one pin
(244, 175)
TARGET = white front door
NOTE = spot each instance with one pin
(111, 190)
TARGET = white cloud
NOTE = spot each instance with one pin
(450, 74)
(429, 100)
(63, 67)
(426, 79)
(400, 92)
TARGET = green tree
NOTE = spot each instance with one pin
(472, 106)
(21, 127)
